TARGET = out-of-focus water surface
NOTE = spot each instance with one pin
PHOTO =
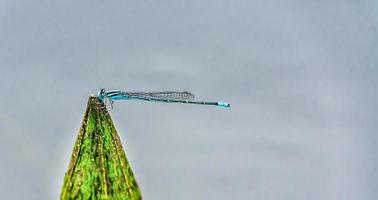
(301, 77)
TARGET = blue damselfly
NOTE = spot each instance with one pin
(164, 97)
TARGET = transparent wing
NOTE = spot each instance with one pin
(162, 95)
(108, 103)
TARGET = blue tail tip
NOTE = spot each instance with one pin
(224, 104)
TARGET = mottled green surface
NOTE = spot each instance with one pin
(99, 168)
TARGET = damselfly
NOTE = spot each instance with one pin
(164, 97)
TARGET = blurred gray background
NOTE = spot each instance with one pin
(300, 76)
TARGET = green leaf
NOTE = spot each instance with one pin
(99, 168)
